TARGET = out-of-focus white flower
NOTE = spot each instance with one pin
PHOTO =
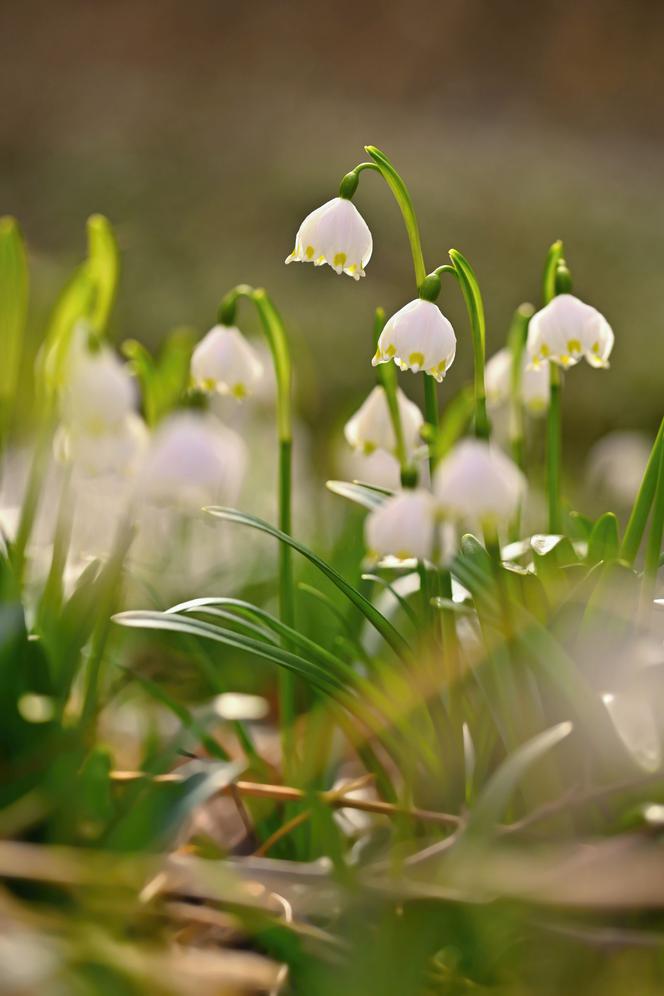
(118, 450)
(566, 330)
(370, 428)
(418, 337)
(616, 464)
(404, 526)
(336, 234)
(98, 392)
(478, 483)
(193, 460)
(224, 361)
(534, 382)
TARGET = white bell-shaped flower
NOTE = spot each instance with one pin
(404, 526)
(534, 382)
(98, 392)
(566, 330)
(370, 428)
(336, 234)
(418, 337)
(193, 460)
(225, 362)
(477, 483)
(118, 451)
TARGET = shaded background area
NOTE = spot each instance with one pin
(206, 130)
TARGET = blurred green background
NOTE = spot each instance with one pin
(207, 130)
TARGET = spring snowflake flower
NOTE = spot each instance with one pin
(336, 234)
(566, 330)
(225, 362)
(99, 391)
(478, 483)
(404, 526)
(370, 428)
(117, 451)
(418, 337)
(534, 382)
(193, 460)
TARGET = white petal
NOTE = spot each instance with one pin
(403, 527)
(418, 337)
(478, 483)
(336, 234)
(567, 329)
(370, 428)
(224, 361)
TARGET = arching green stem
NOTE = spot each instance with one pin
(472, 296)
(275, 333)
(554, 262)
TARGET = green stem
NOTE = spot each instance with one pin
(554, 450)
(403, 199)
(644, 499)
(475, 307)
(431, 412)
(654, 547)
(516, 341)
(386, 377)
(275, 333)
(31, 499)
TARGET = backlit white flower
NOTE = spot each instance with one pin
(534, 382)
(118, 450)
(224, 361)
(616, 464)
(418, 337)
(99, 391)
(566, 330)
(336, 234)
(193, 460)
(370, 428)
(478, 483)
(404, 526)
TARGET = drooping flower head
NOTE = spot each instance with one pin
(225, 362)
(336, 234)
(404, 526)
(98, 391)
(477, 483)
(566, 330)
(534, 382)
(370, 428)
(418, 338)
(193, 460)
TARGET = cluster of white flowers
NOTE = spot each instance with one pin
(476, 484)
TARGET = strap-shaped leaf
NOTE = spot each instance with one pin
(13, 305)
(361, 494)
(371, 613)
(604, 542)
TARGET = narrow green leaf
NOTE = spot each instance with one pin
(359, 493)
(492, 802)
(391, 636)
(604, 542)
(103, 266)
(13, 307)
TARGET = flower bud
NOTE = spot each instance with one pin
(370, 428)
(336, 234)
(477, 483)
(404, 526)
(223, 361)
(418, 338)
(566, 330)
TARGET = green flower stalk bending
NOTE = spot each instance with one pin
(556, 280)
(275, 333)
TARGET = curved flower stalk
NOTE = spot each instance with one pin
(225, 362)
(277, 339)
(371, 427)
